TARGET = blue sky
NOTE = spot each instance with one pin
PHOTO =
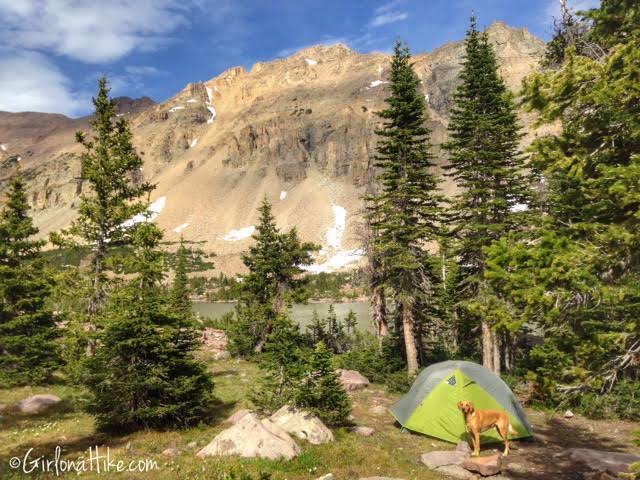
(53, 51)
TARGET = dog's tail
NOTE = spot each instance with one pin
(512, 431)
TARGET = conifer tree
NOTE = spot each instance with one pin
(144, 374)
(283, 362)
(404, 216)
(320, 390)
(487, 166)
(28, 351)
(576, 276)
(180, 289)
(110, 167)
(274, 263)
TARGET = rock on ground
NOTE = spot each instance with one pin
(485, 466)
(455, 471)
(216, 342)
(302, 425)
(237, 416)
(380, 478)
(440, 458)
(463, 447)
(378, 410)
(328, 476)
(568, 414)
(362, 431)
(171, 452)
(251, 438)
(37, 403)
(612, 463)
(352, 380)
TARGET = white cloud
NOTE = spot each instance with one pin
(144, 70)
(30, 82)
(385, 7)
(387, 18)
(90, 31)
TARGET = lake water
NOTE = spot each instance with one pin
(299, 312)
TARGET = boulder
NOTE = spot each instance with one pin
(600, 461)
(455, 471)
(251, 438)
(328, 476)
(568, 414)
(302, 425)
(440, 458)
(485, 466)
(171, 452)
(237, 416)
(352, 380)
(463, 447)
(192, 445)
(362, 431)
(37, 403)
(216, 341)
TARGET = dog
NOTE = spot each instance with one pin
(478, 421)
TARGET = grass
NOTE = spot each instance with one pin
(389, 452)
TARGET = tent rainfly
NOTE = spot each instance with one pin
(431, 406)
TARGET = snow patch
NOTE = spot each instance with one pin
(3, 147)
(283, 195)
(377, 83)
(310, 61)
(335, 233)
(340, 260)
(192, 100)
(149, 216)
(213, 114)
(239, 234)
(176, 108)
(209, 94)
(193, 143)
(519, 207)
(180, 228)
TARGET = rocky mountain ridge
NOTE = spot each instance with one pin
(297, 130)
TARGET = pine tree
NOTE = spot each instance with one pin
(487, 166)
(180, 289)
(320, 390)
(317, 329)
(283, 362)
(28, 350)
(404, 216)
(576, 276)
(274, 263)
(110, 166)
(144, 374)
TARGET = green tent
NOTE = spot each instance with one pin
(431, 406)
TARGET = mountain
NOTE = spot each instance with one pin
(297, 130)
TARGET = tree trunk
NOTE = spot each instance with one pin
(487, 346)
(496, 352)
(379, 306)
(408, 326)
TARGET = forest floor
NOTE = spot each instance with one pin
(390, 452)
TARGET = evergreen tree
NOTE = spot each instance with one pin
(487, 166)
(317, 329)
(144, 374)
(180, 289)
(320, 390)
(110, 166)
(273, 282)
(576, 276)
(283, 362)
(28, 351)
(404, 216)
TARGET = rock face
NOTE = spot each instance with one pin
(239, 415)
(251, 438)
(37, 403)
(302, 425)
(216, 341)
(352, 380)
(217, 148)
(599, 461)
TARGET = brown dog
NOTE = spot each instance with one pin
(478, 421)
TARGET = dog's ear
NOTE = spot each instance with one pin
(470, 407)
